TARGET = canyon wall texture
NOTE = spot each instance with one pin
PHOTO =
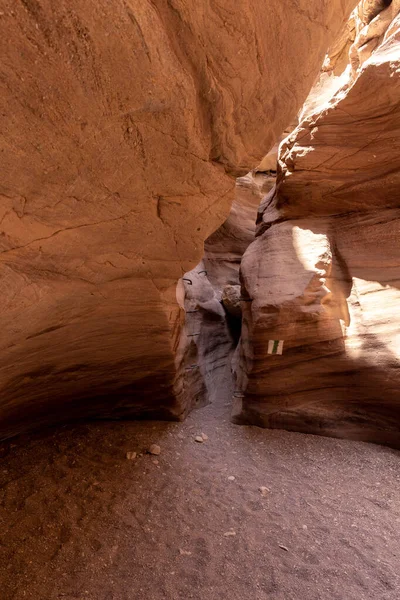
(324, 271)
(211, 298)
(122, 124)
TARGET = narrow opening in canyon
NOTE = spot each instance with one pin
(211, 293)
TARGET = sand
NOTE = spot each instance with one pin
(78, 520)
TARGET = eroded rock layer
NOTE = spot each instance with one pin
(324, 271)
(120, 122)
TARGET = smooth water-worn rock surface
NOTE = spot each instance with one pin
(122, 124)
(324, 271)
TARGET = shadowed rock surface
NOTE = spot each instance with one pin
(120, 124)
(210, 295)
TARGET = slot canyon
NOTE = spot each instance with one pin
(200, 283)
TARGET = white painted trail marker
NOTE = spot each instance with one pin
(275, 346)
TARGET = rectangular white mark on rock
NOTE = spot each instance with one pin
(275, 346)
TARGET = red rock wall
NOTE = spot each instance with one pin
(324, 273)
(119, 123)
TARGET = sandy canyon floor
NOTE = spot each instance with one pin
(79, 521)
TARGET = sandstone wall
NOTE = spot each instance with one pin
(120, 122)
(324, 271)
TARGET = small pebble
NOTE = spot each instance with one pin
(231, 478)
(284, 548)
(184, 552)
(155, 461)
(264, 490)
(131, 455)
(154, 449)
(199, 439)
(229, 533)
(204, 436)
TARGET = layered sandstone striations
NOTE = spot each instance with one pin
(120, 122)
(324, 271)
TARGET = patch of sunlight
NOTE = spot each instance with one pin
(312, 249)
(373, 308)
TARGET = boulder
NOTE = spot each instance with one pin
(231, 300)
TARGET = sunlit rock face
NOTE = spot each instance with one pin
(121, 125)
(324, 271)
